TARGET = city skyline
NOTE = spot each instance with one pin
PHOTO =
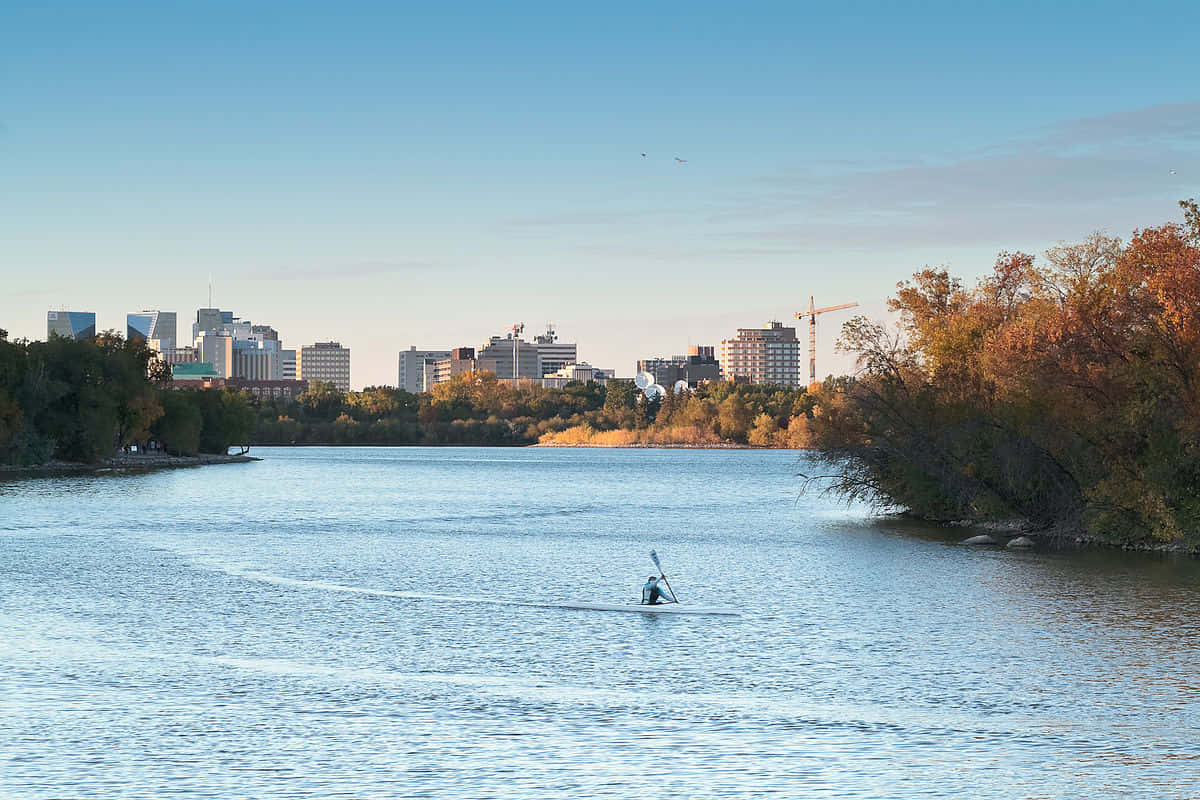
(343, 177)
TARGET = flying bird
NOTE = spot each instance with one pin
(643, 155)
(1172, 172)
(681, 160)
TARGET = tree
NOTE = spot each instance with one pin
(179, 427)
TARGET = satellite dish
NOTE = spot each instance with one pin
(654, 391)
(681, 386)
(643, 379)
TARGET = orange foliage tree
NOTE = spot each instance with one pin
(1064, 393)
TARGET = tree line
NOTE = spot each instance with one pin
(86, 400)
(477, 408)
(1063, 391)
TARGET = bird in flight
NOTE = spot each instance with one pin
(1172, 172)
(643, 155)
(680, 160)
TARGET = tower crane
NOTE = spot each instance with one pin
(812, 331)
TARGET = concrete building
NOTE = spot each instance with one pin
(283, 391)
(71, 324)
(325, 361)
(501, 350)
(217, 350)
(287, 365)
(762, 355)
(554, 354)
(698, 366)
(266, 332)
(413, 366)
(462, 360)
(257, 364)
(153, 326)
(179, 355)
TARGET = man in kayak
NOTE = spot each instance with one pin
(653, 594)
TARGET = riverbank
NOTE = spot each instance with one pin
(656, 446)
(126, 462)
(1010, 533)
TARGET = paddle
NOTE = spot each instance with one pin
(658, 566)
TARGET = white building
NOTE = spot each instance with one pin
(576, 372)
(415, 368)
(325, 361)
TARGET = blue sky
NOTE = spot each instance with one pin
(390, 174)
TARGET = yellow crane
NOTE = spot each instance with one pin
(812, 331)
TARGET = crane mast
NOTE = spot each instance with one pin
(812, 313)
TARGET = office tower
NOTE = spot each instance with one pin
(216, 349)
(554, 354)
(413, 365)
(762, 355)
(208, 319)
(153, 326)
(71, 324)
(501, 350)
(325, 361)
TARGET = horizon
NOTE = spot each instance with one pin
(388, 179)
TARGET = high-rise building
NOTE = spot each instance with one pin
(413, 365)
(697, 367)
(554, 354)
(325, 361)
(71, 324)
(762, 355)
(216, 349)
(502, 349)
(153, 326)
(209, 319)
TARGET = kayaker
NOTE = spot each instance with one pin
(653, 594)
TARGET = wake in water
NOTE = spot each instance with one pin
(279, 580)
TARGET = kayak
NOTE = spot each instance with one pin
(662, 608)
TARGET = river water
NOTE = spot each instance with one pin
(324, 624)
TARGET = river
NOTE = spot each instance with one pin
(325, 623)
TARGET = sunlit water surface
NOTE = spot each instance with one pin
(318, 625)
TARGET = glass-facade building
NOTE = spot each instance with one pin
(152, 325)
(71, 324)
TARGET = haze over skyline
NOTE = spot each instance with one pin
(388, 176)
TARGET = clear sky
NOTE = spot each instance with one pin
(393, 174)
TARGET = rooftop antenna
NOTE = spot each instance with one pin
(210, 290)
(812, 332)
(517, 330)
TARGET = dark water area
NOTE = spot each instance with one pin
(377, 622)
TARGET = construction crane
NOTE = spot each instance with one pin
(812, 331)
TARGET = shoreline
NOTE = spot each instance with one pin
(123, 463)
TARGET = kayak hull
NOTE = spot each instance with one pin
(662, 608)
